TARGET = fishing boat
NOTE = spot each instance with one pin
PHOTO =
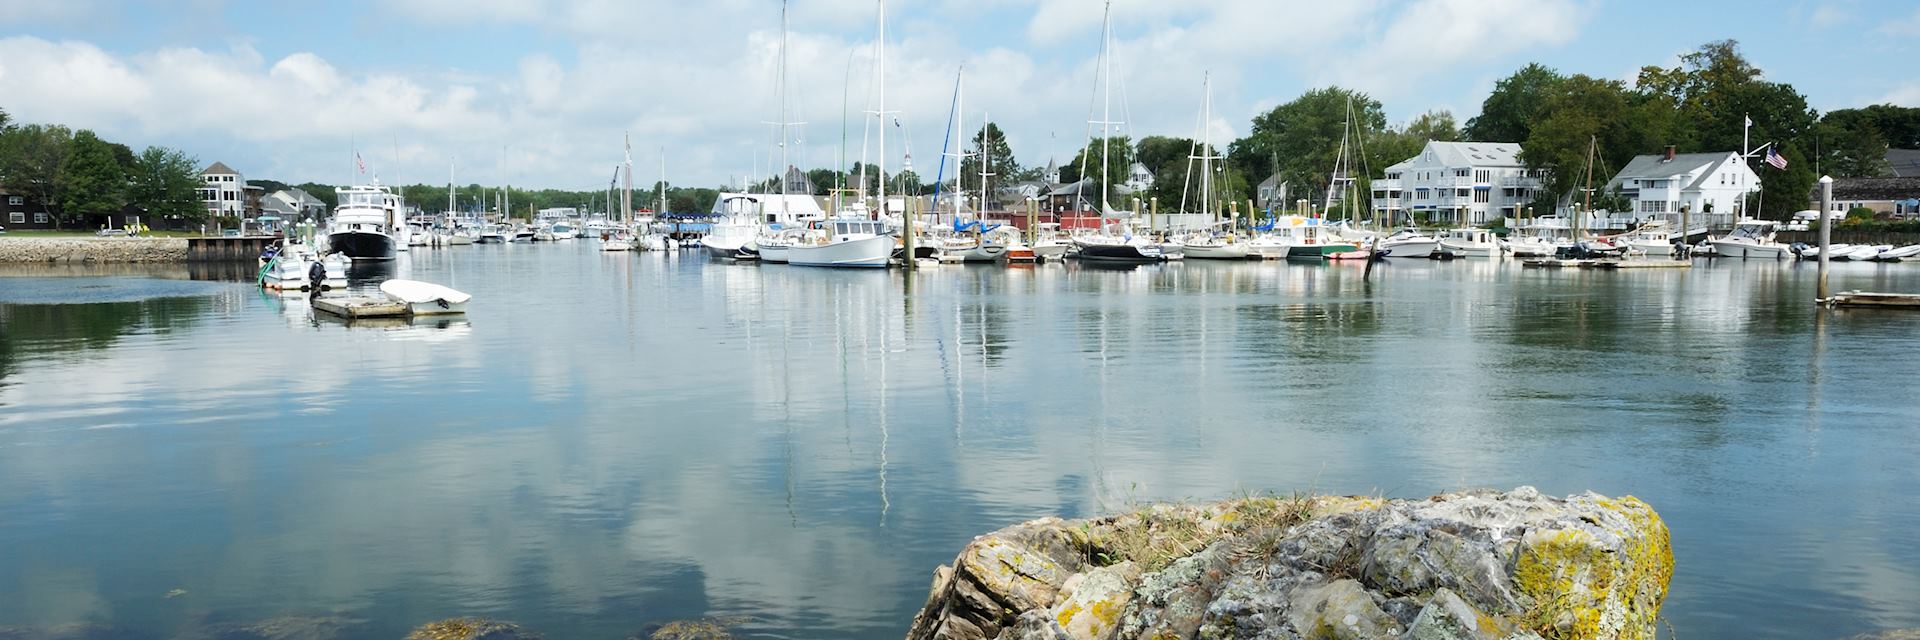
(739, 223)
(845, 242)
(1653, 239)
(774, 242)
(492, 234)
(368, 223)
(425, 298)
(1047, 243)
(852, 239)
(1470, 242)
(1750, 239)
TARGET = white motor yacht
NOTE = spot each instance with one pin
(1750, 239)
(368, 224)
(1409, 243)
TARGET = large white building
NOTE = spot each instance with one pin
(1711, 186)
(223, 191)
(1456, 183)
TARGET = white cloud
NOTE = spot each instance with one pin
(1903, 27)
(695, 79)
(1905, 95)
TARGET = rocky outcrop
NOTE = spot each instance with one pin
(31, 249)
(1462, 566)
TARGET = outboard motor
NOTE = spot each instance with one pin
(1798, 247)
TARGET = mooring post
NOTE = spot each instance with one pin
(1826, 233)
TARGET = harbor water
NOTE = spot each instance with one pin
(606, 442)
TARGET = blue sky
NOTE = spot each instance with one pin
(540, 92)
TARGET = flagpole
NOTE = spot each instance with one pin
(1745, 150)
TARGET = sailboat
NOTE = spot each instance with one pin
(1115, 244)
(778, 233)
(853, 240)
(1321, 241)
(1206, 244)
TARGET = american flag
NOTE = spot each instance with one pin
(1778, 161)
(361, 163)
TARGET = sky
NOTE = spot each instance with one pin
(540, 93)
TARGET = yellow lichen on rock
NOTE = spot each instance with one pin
(1585, 588)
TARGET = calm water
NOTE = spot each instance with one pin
(608, 442)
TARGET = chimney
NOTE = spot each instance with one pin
(1669, 154)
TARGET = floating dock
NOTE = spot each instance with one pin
(356, 308)
(1870, 299)
(1608, 264)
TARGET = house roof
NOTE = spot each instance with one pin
(1465, 154)
(1477, 154)
(1656, 166)
(219, 168)
(1905, 163)
(1898, 188)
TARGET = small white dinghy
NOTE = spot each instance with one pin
(425, 298)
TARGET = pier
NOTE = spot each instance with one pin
(357, 308)
(1608, 264)
(1871, 299)
(226, 248)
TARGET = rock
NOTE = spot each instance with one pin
(82, 249)
(1464, 566)
(470, 629)
(1091, 602)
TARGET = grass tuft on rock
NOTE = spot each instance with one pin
(1153, 537)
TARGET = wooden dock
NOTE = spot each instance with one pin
(355, 308)
(1554, 263)
(1870, 299)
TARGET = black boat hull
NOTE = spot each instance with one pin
(1118, 254)
(362, 245)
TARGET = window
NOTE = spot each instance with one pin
(40, 217)
(17, 217)
(1459, 173)
(1459, 193)
(1481, 195)
(1653, 206)
(1483, 175)
(16, 200)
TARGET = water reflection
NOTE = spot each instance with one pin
(610, 441)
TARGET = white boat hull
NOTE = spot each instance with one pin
(1470, 249)
(865, 252)
(1233, 251)
(1748, 250)
(425, 298)
(982, 253)
(774, 253)
(1652, 249)
(1410, 248)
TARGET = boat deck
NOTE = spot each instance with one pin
(361, 307)
(1608, 264)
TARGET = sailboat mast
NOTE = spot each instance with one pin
(959, 125)
(1206, 149)
(1586, 194)
(784, 120)
(626, 184)
(1106, 110)
(881, 69)
(986, 127)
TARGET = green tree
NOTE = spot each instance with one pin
(1168, 159)
(6, 121)
(1300, 140)
(1118, 152)
(1509, 113)
(1900, 126)
(166, 183)
(1716, 91)
(999, 155)
(1850, 145)
(30, 160)
(91, 180)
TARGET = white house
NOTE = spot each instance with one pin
(1139, 180)
(222, 191)
(1712, 187)
(1456, 183)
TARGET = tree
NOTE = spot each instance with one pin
(1118, 151)
(6, 121)
(1715, 92)
(824, 180)
(1509, 113)
(1300, 140)
(1000, 160)
(1850, 145)
(91, 180)
(166, 183)
(30, 160)
(325, 194)
(1437, 126)
(1168, 159)
(1900, 126)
